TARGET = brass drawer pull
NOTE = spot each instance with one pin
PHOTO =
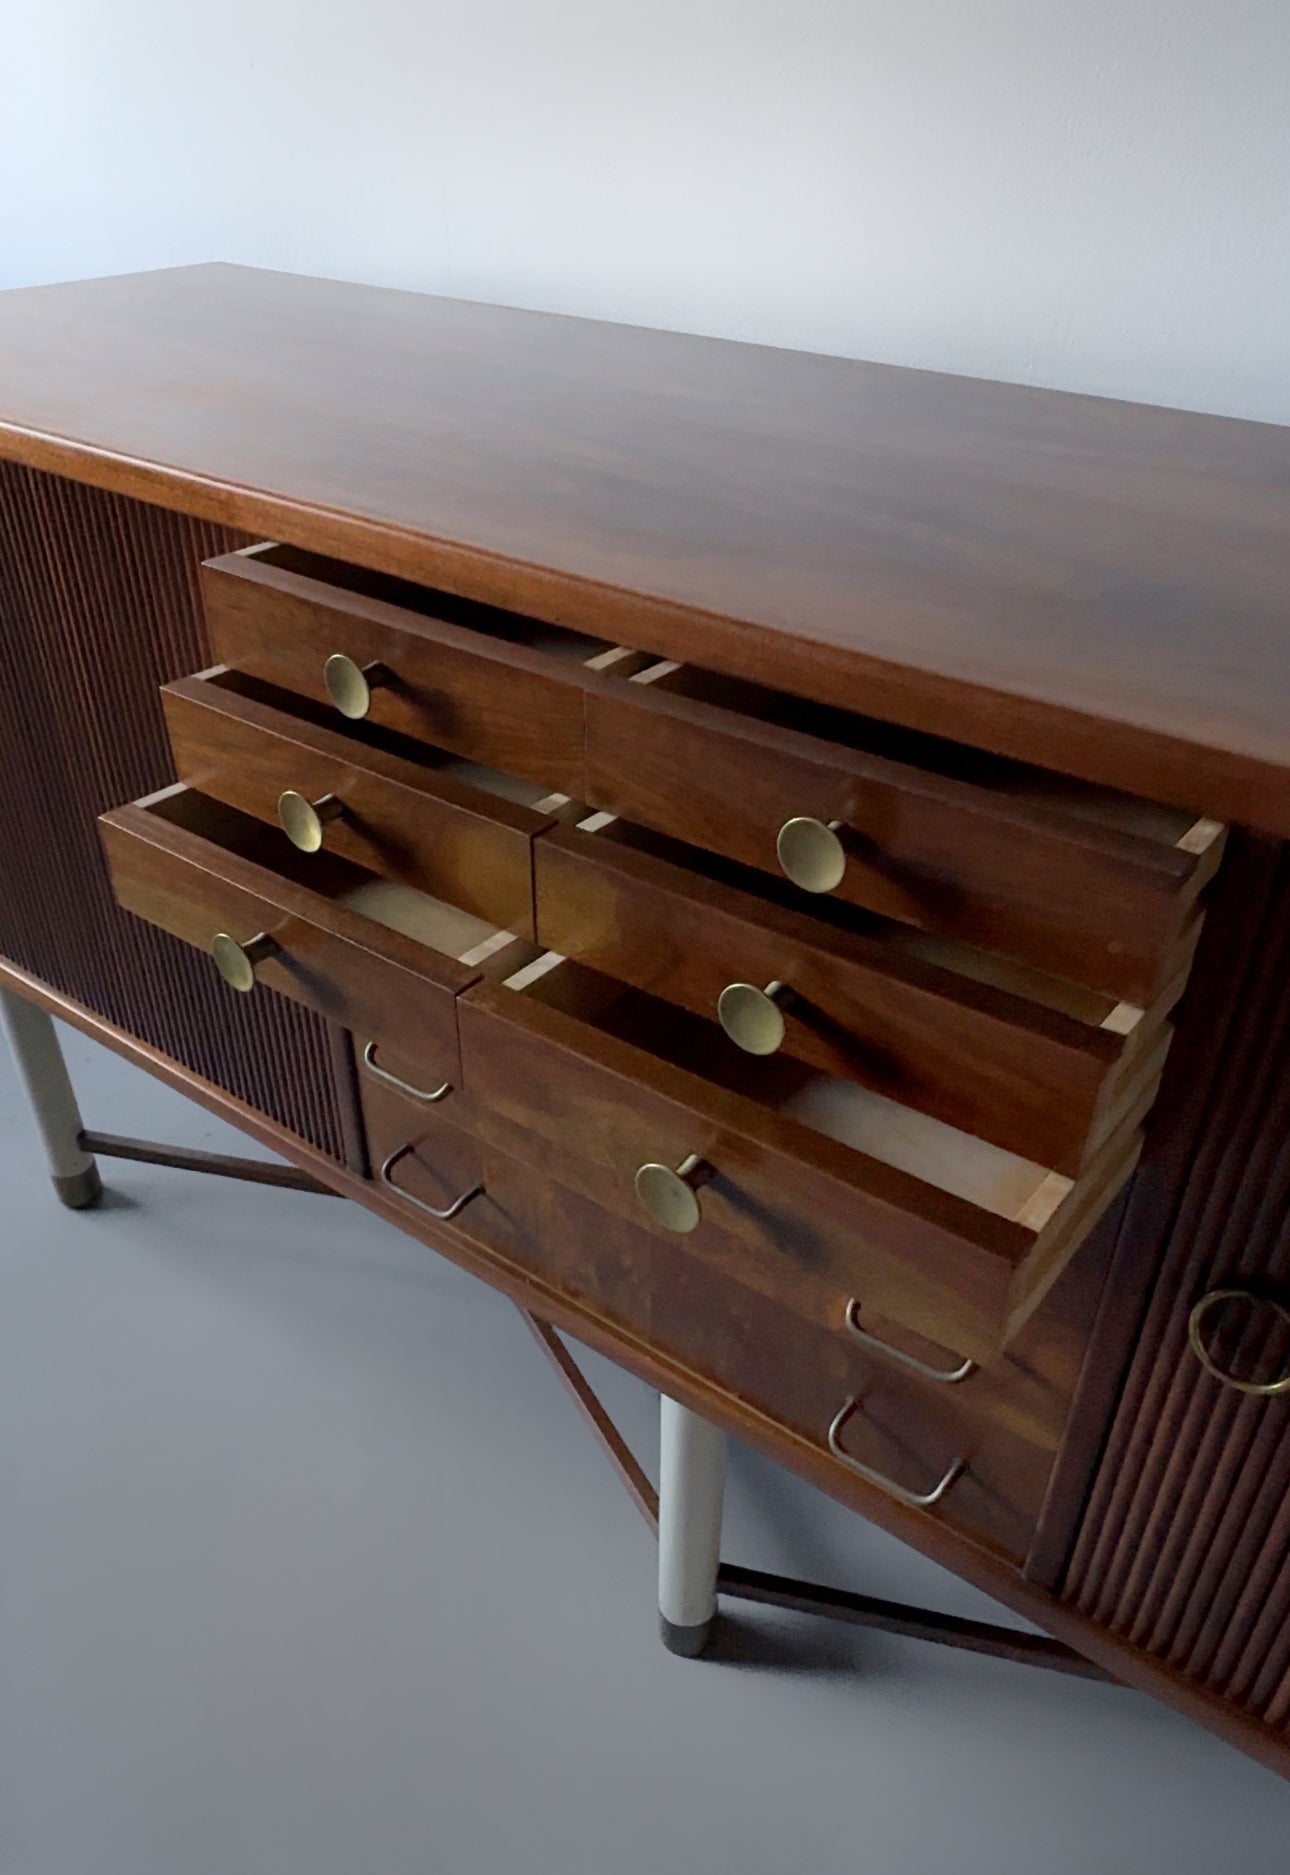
(385, 1175)
(753, 1018)
(948, 1376)
(236, 962)
(917, 1500)
(350, 685)
(813, 853)
(1262, 1389)
(670, 1195)
(426, 1096)
(303, 820)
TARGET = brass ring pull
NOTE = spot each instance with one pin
(443, 1216)
(236, 962)
(303, 820)
(670, 1195)
(917, 1500)
(350, 685)
(947, 1376)
(753, 1018)
(813, 853)
(1261, 1389)
(426, 1096)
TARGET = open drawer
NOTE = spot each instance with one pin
(374, 956)
(796, 1358)
(1077, 881)
(495, 686)
(1038, 1066)
(436, 822)
(638, 1105)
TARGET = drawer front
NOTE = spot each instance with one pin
(392, 815)
(990, 866)
(168, 866)
(1001, 1425)
(592, 1109)
(1032, 1079)
(508, 701)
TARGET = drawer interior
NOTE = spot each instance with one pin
(422, 756)
(1021, 782)
(958, 960)
(868, 1123)
(512, 628)
(431, 922)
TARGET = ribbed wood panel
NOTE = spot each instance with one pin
(98, 607)
(1184, 1547)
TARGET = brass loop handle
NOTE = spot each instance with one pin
(427, 1096)
(444, 1216)
(670, 1194)
(947, 1376)
(813, 853)
(303, 820)
(917, 1500)
(350, 685)
(236, 962)
(1260, 1389)
(753, 1018)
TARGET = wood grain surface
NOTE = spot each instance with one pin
(400, 818)
(1094, 585)
(1027, 1078)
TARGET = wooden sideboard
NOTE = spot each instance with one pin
(776, 863)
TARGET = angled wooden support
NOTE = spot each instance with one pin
(690, 1519)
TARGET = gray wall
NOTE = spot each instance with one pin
(1094, 196)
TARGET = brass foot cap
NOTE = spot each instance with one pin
(79, 1190)
(689, 1643)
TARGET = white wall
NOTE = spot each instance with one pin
(1086, 193)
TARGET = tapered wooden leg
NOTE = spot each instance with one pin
(692, 1467)
(34, 1042)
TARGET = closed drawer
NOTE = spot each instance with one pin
(372, 956)
(494, 686)
(1082, 883)
(934, 1228)
(799, 1367)
(437, 823)
(1031, 1064)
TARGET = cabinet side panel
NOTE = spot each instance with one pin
(98, 607)
(1184, 1547)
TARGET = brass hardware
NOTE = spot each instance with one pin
(917, 1500)
(1262, 1389)
(350, 685)
(813, 853)
(753, 1018)
(426, 1096)
(303, 820)
(236, 962)
(670, 1195)
(443, 1216)
(948, 1376)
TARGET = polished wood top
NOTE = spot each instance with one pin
(1099, 586)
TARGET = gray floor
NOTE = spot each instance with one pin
(307, 1565)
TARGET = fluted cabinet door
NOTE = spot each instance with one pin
(99, 605)
(1184, 1545)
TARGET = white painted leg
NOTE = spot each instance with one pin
(34, 1042)
(692, 1469)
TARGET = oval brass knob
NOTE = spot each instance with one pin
(753, 1018)
(813, 853)
(303, 820)
(670, 1196)
(236, 962)
(350, 685)
(1262, 1389)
